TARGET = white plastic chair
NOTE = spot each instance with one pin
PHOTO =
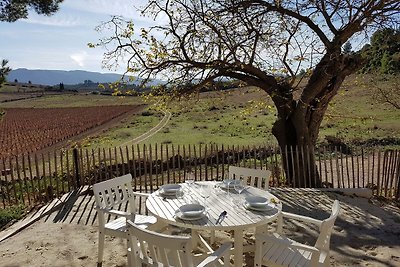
(275, 249)
(109, 196)
(148, 248)
(254, 177)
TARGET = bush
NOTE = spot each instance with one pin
(9, 214)
(147, 113)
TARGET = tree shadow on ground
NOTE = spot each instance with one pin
(362, 225)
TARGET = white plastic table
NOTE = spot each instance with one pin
(238, 217)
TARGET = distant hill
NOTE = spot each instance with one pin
(55, 77)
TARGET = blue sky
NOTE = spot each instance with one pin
(59, 42)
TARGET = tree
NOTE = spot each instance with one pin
(4, 70)
(12, 10)
(386, 88)
(264, 43)
(383, 54)
(88, 82)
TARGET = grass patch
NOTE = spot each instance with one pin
(11, 214)
(126, 131)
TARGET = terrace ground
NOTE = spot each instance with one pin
(366, 232)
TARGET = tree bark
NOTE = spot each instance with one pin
(297, 157)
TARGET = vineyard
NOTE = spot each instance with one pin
(25, 130)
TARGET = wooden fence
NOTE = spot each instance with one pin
(32, 179)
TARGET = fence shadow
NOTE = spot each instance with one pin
(77, 208)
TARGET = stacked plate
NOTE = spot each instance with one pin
(258, 203)
(170, 189)
(191, 212)
(229, 183)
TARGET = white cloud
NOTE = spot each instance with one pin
(124, 8)
(79, 58)
(55, 20)
(117, 7)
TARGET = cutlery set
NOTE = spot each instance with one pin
(221, 217)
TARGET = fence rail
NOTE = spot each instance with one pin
(31, 179)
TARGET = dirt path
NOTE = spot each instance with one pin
(151, 132)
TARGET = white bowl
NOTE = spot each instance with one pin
(257, 202)
(170, 189)
(192, 210)
(230, 183)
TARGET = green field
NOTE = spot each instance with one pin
(235, 117)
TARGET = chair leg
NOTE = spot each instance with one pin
(133, 260)
(129, 252)
(101, 249)
(258, 256)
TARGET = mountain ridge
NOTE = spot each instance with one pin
(67, 77)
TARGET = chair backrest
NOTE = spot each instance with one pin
(156, 249)
(253, 177)
(326, 228)
(111, 193)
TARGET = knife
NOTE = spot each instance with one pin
(221, 217)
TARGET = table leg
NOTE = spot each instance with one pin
(238, 247)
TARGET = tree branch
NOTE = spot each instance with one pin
(283, 11)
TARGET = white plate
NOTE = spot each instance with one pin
(191, 212)
(170, 189)
(257, 201)
(260, 208)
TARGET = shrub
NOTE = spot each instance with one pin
(9, 214)
(147, 113)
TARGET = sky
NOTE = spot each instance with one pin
(59, 42)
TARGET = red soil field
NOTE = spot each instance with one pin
(26, 130)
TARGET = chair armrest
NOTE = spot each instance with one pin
(273, 238)
(222, 252)
(114, 212)
(301, 218)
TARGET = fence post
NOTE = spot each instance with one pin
(76, 167)
(397, 171)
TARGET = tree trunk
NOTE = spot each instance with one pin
(297, 157)
(299, 119)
